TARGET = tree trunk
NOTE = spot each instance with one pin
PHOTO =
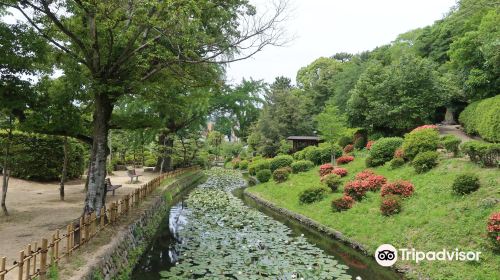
(5, 170)
(96, 194)
(164, 162)
(64, 169)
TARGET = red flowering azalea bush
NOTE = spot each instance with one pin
(345, 159)
(400, 187)
(325, 169)
(399, 153)
(343, 203)
(494, 229)
(375, 182)
(364, 174)
(369, 144)
(356, 189)
(427, 126)
(348, 148)
(390, 205)
(340, 171)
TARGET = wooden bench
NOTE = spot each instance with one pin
(131, 173)
(110, 187)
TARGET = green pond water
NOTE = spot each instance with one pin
(214, 232)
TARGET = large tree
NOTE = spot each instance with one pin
(117, 45)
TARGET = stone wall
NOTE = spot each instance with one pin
(129, 243)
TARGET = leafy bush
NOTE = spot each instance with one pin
(399, 153)
(344, 141)
(236, 164)
(390, 205)
(326, 152)
(325, 169)
(494, 230)
(344, 203)
(281, 175)
(483, 118)
(300, 155)
(348, 148)
(425, 161)
(150, 161)
(313, 194)
(252, 181)
(364, 174)
(244, 164)
(419, 141)
(383, 150)
(486, 154)
(400, 187)
(369, 144)
(466, 183)
(40, 158)
(332, 181)
(280, 161)
(302, 166)
(258, 165)
(313, 153)
(340, 171)
(451, 143)
(360, 143)
(356, 189)
(426, 126)
(371, 180)
(396, 163)
(345, 159)
(264, 175)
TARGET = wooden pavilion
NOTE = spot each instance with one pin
(300, 142)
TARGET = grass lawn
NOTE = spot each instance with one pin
(431, 220)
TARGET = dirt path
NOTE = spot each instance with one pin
(457, 131)
(36, 211)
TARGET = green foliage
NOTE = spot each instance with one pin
(280, 175)
(451, 143)
(299, 155)
(466, 183)
(333, 181)
(390, 205)
(312, 195)
(419, 141)
(326, 150)
(332, 124)
(383, 150)
(252, 181)
(264, 175)
(313, 153)
(344, 141)
(37, 157)
(258, 165)
(360, 143)
(280, 161)
(483, 118)
(302, 166)
(425, 161)
(485, 154)
(396, 163)
(243, 164)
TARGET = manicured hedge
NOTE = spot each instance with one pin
(280, 161)
(40, 158)
(483, 118)
(383, 150)
(485, 154)
(258, 165)
(420, 140)
(302, 166)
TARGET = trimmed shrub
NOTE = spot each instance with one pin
(360, 143)
(466, 183)
(356, 189)
(313, 194)
(280, 161)
(300, 155)
(372, 181)
(451, 143)
(326, 152)
(419, 141)
(258, 165)
(383, 150)
(264, 175)
(364, 174)
(313, 154)
(345, 159)
(344, 203)
(40, 158)
(344, 141)
(244, 164)
(400, 187)
(494, 230)
(340, 171)
(280, 175)
(485, 154)
(252, 181)
(150, 161)
(332, 181)
(426, 126)
(325, 169)
(369, 144)
(425, 161)
(483, 118)
(390, 205)
(302, 166)
(348, 148)
(396, 163)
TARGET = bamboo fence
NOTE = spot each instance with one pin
(35, 260)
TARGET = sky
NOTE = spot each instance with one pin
(325, 27)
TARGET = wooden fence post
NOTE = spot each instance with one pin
(21, 265)
(81, 230)
(57, 246)
(87, 227)
(43, 260)
(34, 258)
(2, 268)
(68, 240)
(28, 262)
(52, 249)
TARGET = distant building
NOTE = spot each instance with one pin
(300, 142)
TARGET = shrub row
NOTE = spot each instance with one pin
(302, 166)
(320, 154)
(483, 118)
(486, 154)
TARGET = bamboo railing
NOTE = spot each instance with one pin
(35, 261)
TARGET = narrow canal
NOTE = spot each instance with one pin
(214, 232)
